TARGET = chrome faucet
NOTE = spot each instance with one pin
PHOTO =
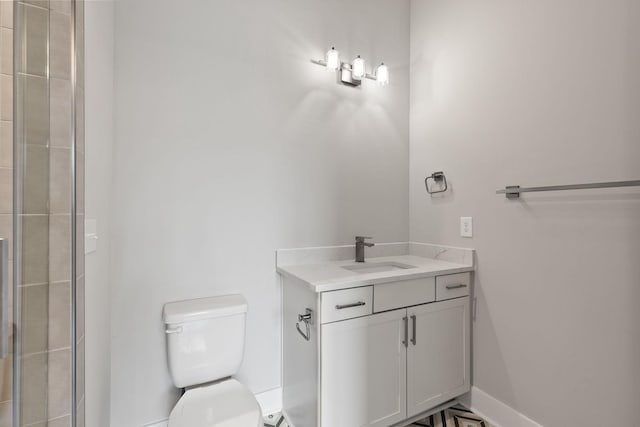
(360, 244)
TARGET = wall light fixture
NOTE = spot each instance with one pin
(382, 75)
(358, 70)
(333, 59)
(352, 74)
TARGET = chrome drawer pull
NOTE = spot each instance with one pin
(461, 285)
(355, 304)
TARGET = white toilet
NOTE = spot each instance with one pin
(205, 345)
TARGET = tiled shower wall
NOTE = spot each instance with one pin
(80, 168)
(46, 124)
(6, 181)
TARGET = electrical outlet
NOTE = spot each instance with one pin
(466, 226)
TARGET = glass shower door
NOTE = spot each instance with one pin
(6, 215)
(41, 214)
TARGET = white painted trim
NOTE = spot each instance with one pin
(497, 413)
(163, 423)
(270, 401)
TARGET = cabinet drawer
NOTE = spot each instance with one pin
(345, 304)
(404, 293)
(452, 286)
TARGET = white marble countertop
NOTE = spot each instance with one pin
(330, 276)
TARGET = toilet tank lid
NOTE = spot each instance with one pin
(203, 308)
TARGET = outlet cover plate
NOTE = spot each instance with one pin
(466, 226)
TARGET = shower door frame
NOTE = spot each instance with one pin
(18, 176)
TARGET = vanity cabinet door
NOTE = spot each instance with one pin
(438, 356)
(363, 371)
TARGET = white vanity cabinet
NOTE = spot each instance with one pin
(364, 371)
(438, 355)
(377, 355)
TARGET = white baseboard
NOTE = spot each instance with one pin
(270, 401)
(496, 412)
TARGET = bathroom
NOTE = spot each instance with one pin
(207, 140)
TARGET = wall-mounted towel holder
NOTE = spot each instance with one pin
(439, 178)
(514, 191)
(307, 319)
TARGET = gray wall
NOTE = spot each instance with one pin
(537, 93)
(99, 39)
(230, 143)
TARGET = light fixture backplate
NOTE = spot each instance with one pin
(346, 75)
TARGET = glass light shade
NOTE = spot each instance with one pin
(333, 59)
(382, 75)
(358, 68)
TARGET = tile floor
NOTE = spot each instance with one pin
(456, 416)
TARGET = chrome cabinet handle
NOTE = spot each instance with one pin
(413, 337)
(406, 331)
(461, 285)
(4, 298)
(355, 304)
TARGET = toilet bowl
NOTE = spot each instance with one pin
(205, 347)
(224, 404)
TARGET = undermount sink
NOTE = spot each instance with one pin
(376, 267)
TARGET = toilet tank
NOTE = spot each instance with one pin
(205, 338)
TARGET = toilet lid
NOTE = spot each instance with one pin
(224, 404)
